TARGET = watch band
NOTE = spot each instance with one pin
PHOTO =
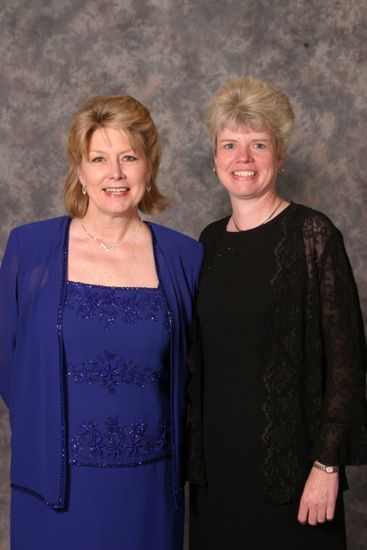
(325, 468)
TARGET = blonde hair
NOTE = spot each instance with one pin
(248, 101)
(121, 112)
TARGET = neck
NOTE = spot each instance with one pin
(251, 213)
(111, 228)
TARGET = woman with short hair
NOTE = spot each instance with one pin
(277, 391)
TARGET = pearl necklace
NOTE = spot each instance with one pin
(263, 223)
(105, 246)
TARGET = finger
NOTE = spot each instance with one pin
(321, 514)
(330, 510)
(302, 513)
(307, 515)
(312, 518)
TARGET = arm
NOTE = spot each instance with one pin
(8, 313)
(341, 436)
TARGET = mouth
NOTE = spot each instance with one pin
(244, 173)
(116, 190)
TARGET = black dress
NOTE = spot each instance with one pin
(237, 312)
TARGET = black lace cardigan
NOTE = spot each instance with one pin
(314, 379)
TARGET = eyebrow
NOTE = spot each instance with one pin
(255, 139)
(105, 151)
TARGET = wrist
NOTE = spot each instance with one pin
(325, 467)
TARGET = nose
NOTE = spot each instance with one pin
(116, 170)
(244, 154)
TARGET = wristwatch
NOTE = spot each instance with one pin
(325, 468)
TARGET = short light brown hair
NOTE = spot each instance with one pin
(121, 112)
(248, 101)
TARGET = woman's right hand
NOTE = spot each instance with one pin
(318, 499)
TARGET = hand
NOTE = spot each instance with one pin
(318, 497)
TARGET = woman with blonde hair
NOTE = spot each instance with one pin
(277, 394)
(94, 311)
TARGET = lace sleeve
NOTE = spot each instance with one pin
(8, 314)
(342, 435)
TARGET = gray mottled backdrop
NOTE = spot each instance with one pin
(172, 55)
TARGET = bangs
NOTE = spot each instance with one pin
(134, 139)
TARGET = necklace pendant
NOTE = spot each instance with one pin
(106, 248)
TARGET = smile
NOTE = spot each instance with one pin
(116, 190)
(244, 173)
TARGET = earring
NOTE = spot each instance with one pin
(148, 187)
(84, 190)
(214, 170)
(282, 171)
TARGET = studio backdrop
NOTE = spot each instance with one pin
(172, 55)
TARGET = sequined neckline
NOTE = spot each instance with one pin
(92, 285)
(108, 304)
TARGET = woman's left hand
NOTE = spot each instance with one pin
(318, 498)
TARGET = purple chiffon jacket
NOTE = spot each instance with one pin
(32, 294)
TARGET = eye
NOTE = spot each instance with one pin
(229, 146)
(259, 145)
(97, 159)
(128, 158)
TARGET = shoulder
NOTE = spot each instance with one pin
(213, 230)
(38, 237)
(41, 228)
(174, 240)
(181, 253)
(312, 222)
(315, 230)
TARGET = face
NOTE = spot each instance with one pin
(114, 174)
(247, 162)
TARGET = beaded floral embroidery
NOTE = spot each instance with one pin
(127, 445)
(109, 304)
(110, 370)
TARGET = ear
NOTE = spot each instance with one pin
(149, 174)
(215, 148)
(80, 176)
(281, 160)
(215, 151)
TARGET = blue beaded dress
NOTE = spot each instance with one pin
(116, 344)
